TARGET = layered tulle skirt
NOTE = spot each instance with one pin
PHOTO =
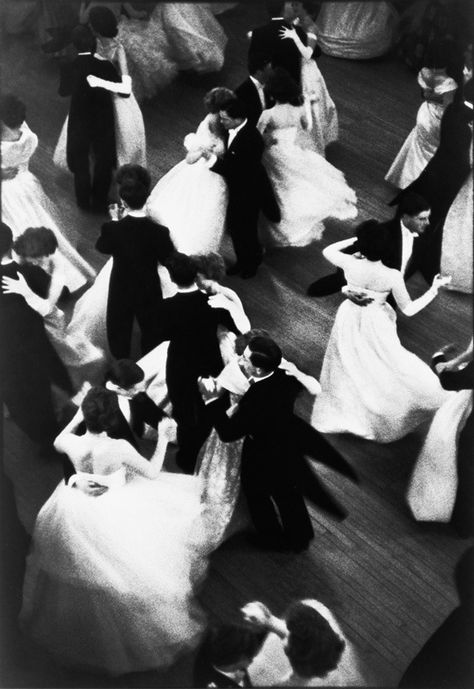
(110, 580)
(371, 385)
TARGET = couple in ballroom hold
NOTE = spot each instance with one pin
(120, 549)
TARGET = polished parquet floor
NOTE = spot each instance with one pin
(387, 578)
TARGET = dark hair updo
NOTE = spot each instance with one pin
(12, 111)
(283, 88)
(211, 266)
(6, 239)
(36, 242)
(102, 20)
(372, 240)
(265, 353)
(100, 409)
(314, 648)
(125, 373)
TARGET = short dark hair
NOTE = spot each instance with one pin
(282, 87)
(210, 265)
(412, 203)
(235, 108)
(130, 173)
(274, 7)
(241, 341)
(372, 240)
(36, 242)
(83, 39)
(125, 373)
(266, 354)
(6, 239)
(103, 21)
(134, 194)
(216, 98)
(100, 409)
(229, 643)
(313, 647)
(12, 110)
(182, 269)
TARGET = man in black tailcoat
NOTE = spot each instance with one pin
(266, 44)
(252, 91)
(250, 189)
(137, 245)
(269, 470)
(28, 362)
(190, 323)
(91, 122)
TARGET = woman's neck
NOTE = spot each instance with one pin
(10, 134)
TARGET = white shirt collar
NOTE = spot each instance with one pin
(256, 82)
(237, 676)
(406, 230)
(137, 213)
(233, 132)
(275, 19)
(184, 290)
(258, 380)
(86, 53)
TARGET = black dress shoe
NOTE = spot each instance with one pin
(233, 270)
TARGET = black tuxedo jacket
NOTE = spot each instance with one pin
(190, 324)
(91, 112)
(25, 344)
(248, 94)
(143, 411)
(266, 45)
(137, 246)
(264, 417)
(416, 262)
(242, 168)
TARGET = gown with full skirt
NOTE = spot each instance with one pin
(433, 484)
(308, 189)
(356, 30)
(422, 142)
(110, 580)
(191, 200)
(196, 38)
(320, 109)
(24, 204)
(371, 385)
(130, 139)
(456, 249)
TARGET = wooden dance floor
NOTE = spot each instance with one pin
(387, 578)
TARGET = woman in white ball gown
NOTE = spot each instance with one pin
(24, 203)
(433, 485)
(308, 189)
(422, 142)
(356, 30)
(190, 199)
(371, 385)
(110, 579)
(321, 113)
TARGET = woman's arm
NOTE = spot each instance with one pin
(20, 287)
(228, 300)
(334, 252)
(67, 441)
(408, 306)
(308, 382)
(257, 615)
(130, 457)
(123, 87)
(305, 50)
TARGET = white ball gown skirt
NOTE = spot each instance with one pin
(110, 580)
(24, 204)
(191, 201)
(419, 147)
(130, 139)
(320, 110)
(308, 190)
(373, 387)
(433, 484)
(356, 30)
(456, 250)
(196, 38)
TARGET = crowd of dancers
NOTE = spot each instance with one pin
(122, 544)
